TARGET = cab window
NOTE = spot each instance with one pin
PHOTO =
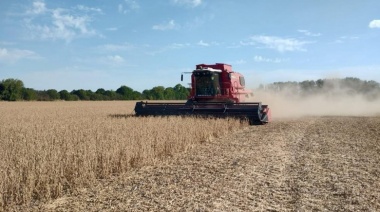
(242, 81)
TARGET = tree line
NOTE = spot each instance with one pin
(347, 86)
(14, 90)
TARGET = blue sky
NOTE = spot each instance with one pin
(95, 44)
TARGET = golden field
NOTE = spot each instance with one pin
(49, 149)
(316, 155)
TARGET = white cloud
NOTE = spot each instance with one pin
(374, 24)
(89, 9)
(201, 43)
(338, 41)
(258, 58)
(277, 43)
(39, 7)
(191, 3)
(308, 33)
(132, 4)
(128, 5)
(349, 37)
(66, 21)
(178, 45)
(120, 8)
(344, 39)
(61, 25)
(115, 59)
(165, 26)
(13, 55)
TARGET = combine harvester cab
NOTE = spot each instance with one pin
(215, 91)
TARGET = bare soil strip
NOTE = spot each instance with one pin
(314, 163)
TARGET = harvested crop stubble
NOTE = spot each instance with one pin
(53, 148)
(304, 164)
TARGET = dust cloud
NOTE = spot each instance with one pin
(287, 104)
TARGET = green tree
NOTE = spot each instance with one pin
(81, 94)
(65, 95)
(169, 93)
(11, 89)
(29, 94)
(320, 83)
(74, 97)
(43, 96)
(100, 94)
(53, 94)
(158, 92)
(111, 95)
(181, 92)
(136, 95)
(308, 86)
(371, 89)
(91, 95)
(125, 92)
(100, 91)
(146, 94)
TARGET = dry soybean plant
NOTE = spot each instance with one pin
(53, 148)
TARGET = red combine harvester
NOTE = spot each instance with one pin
(217, 91)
